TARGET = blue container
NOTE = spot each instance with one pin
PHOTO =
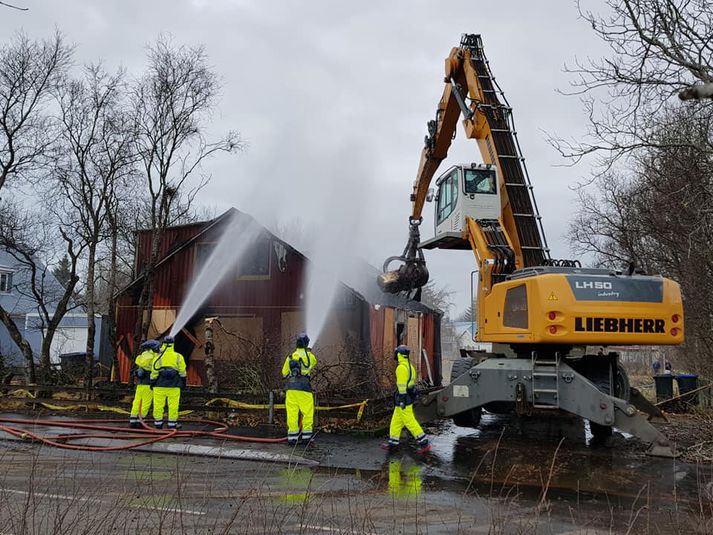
(687, 382)
(664, 386)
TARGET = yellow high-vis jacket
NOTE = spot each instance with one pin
(405, 380)
(297, 368)
(143, 362)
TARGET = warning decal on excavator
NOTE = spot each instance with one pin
(461, 391)
(552, 297)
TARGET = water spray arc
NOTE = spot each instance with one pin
(227, 255)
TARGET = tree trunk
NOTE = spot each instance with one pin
(53, 323)
(45, 362)
(209, 362)
(21, 343)
(111, 316)
(146, 300)
(91, 308)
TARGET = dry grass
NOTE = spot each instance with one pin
(693, 435)
(132, 493)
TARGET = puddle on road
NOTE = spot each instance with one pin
(497, 458)
(501, 458)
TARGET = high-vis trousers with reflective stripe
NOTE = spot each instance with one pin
(143, 397)
(161, 395)
(405, 417)
(296, 402)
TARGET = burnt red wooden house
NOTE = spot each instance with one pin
(261, 303)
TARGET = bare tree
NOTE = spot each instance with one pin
(469, 314)
(115, 268)
(97, 140)
(437, 297)
(652, 153)
(659, 216)
(30, 236)
(658, 47)
(172, 104)
(29, 73)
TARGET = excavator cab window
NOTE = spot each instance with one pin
(480, 181)
(447, 195)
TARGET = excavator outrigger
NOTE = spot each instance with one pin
(541, 308)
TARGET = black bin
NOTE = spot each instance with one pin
(664, 387)
(687, 382)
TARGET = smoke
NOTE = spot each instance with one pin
(320, 191)
(335, 246)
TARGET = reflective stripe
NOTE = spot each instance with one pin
(394, 440)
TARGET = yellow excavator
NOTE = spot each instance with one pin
(542, 311)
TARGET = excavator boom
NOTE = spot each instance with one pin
(517, 239)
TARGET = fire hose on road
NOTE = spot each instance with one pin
(146, 435)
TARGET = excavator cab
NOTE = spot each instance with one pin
(469, 190)
(466, 191)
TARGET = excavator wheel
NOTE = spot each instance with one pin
(471, 417)
(596, 368)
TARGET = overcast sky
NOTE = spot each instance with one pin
(333, 98)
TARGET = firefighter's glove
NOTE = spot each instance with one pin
(183, 382)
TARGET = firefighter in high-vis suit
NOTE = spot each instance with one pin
(168, 376)
(299, 398)
(143, 397)
(404, 399)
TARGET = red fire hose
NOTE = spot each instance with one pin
(115, 432)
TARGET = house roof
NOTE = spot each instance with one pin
(361, 278)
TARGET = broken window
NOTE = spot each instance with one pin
(256, 262)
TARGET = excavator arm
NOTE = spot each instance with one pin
(516, 239)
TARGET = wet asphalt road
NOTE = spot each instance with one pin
(487, 481)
